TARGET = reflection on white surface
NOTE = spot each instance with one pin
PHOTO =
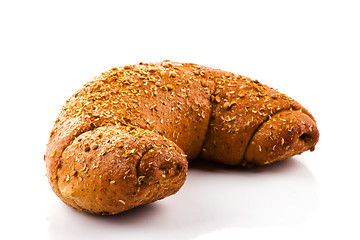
(213, 198)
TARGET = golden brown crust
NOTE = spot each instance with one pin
(164, 110)
(114, 168)
(285, 134)
(240, 106)
(168, 98)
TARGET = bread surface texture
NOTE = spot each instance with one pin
(125, 137)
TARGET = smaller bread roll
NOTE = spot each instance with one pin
(114, 168)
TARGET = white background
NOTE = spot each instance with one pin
(307, 49)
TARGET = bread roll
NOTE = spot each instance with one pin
(124, 139)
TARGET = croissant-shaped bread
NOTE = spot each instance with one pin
(124, 139)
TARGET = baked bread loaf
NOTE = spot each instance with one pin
(125, 137)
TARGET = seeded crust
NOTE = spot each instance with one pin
(124, 139)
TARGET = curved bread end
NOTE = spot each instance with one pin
(285, 134)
